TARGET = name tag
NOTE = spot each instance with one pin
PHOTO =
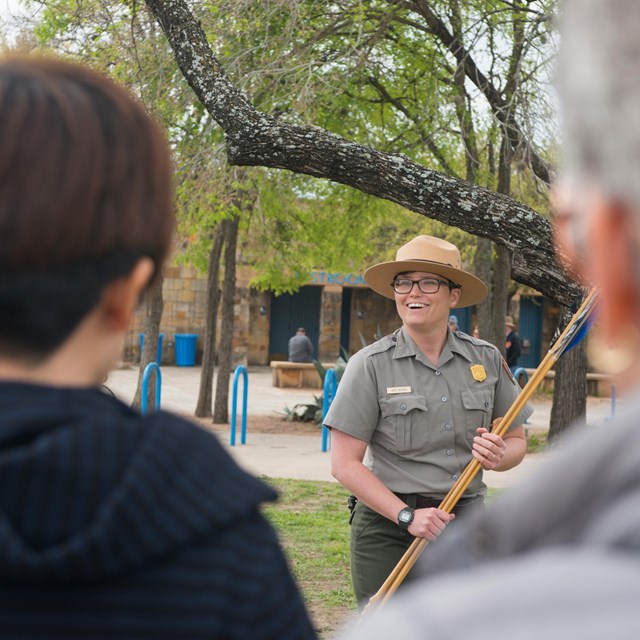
(398, 389)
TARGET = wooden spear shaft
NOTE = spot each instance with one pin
(400, 571)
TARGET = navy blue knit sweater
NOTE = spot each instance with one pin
(114, 525)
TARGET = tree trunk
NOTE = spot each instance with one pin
(569, 393)
(154, 304)
(257, 139)
(205, 394)
(482, 266)
(569, 390)
(503, 257)
(462, 101)
(221, 406)
(501, 271)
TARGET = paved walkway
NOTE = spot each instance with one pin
(301, 456)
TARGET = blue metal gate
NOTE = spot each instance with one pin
(290, 311)
(530, 330)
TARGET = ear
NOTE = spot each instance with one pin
(454, 298)
(613, 263)
(120, 298)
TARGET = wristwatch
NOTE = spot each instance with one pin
(405, 518)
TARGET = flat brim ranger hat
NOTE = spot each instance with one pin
(431, 255)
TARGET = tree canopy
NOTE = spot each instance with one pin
(384, 77)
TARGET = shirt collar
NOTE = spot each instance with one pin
(461, 347)
(406, 347)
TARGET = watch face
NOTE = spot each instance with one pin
(405, 516)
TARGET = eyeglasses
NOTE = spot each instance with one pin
(426, 285)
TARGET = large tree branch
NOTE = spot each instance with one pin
(254, 138)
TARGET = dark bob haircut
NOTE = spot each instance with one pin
(85, 191)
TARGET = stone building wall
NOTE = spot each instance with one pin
(330, 311)
(184, 293)
(371, 316)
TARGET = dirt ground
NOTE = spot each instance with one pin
(263, 424)
(277, 424)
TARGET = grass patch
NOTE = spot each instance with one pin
(313, 523)
(536, 440)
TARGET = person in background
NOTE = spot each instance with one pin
(558, 557)
(300, 347)
(422, 400)
(512, 343)
(112, 524)
(476, 332)
(453, 323)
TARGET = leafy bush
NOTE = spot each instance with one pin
(305, 411)
(312, 411)
(338, 367)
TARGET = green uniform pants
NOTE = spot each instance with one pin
(377, 544)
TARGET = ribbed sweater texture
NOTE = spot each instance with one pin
(115, 525)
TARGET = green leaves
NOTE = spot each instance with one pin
(372, 71)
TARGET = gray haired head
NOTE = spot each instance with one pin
(599, 85)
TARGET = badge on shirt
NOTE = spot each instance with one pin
(398, 390)
(478, 372)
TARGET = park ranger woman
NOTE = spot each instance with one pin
(422, 401)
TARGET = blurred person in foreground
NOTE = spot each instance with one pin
(560, 557)
(112, 525)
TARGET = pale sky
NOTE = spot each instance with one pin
(9, 8)
(9, 11)
(9, 5)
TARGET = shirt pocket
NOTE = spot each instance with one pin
(403, 423)
(478, 409)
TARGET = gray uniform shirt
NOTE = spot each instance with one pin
(419, 419)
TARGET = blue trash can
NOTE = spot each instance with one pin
(186, 349)
(159, 353)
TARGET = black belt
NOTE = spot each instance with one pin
(417, 501)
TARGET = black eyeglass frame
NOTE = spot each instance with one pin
(440, 282)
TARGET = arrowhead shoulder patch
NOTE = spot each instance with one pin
(505, 366)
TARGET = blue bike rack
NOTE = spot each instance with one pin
(330, 388)
(240, 369)
(152, 366)
(519, 372)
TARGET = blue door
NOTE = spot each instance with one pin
(290, 311)
(345, 320)
(530, 331)
(464, 318)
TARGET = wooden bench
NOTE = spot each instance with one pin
(300, 375)
(598, 384)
